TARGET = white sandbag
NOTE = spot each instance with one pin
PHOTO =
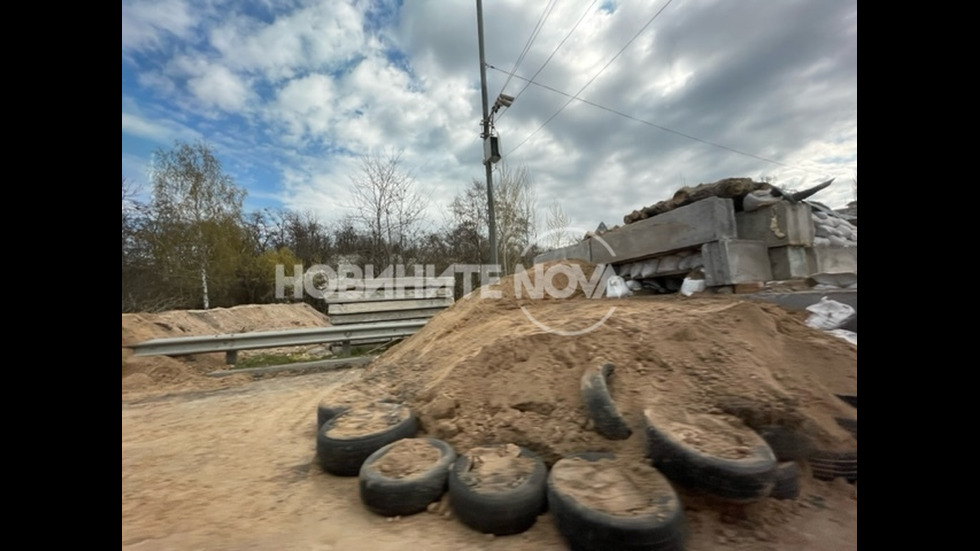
(634, 285)
(616, 287)
(691, 286)
(668, 264)
(829, 314)
(821, 242)
(649, 268)
(849, 336)
(755, 200)
(636, 269)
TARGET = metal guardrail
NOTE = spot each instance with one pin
(231, 343)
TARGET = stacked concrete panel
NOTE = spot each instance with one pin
(734, 261)
(779, 241)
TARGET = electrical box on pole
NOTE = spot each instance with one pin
(491, 149)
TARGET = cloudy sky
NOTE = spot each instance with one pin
(290, 93)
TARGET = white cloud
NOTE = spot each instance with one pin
(217, 86)
(210, 83)
(323, 35)
(305, 107)
(160, 130)
(148, 23)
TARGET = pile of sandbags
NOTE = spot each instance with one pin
(832, 230)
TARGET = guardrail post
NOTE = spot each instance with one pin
(346, 347)
(231, 357)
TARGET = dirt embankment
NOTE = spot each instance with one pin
(154, 373)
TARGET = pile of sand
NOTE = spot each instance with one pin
(482, 373)
(155, 372)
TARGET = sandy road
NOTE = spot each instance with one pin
(233, 469)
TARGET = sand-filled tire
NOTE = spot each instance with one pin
(748, 478)
(848, 424)
(342, 450)
(787, 443)
(828, 465)
(326, 412)
(656, 522)
(404, 493)
(599, 405)
(787, 484)
(510, 505)
(849, 399)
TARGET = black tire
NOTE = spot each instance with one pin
(586, 528)
(499, 512)
(787, 481)
(326, 412)
(745, 479)
(787, 443)
(599, 404)
(828, 465)
(850, 399)
(850, 425)
(391, 496)
(343, 456)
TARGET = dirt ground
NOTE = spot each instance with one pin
(229, 463)
(233, 469)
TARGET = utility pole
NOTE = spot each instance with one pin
(486, 135)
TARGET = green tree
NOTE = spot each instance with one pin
(197, 212)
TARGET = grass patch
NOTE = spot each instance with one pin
(266, 360)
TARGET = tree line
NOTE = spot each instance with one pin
(192, 245)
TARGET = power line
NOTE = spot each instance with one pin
(548, 8)
(553, 52)
(621, 50)
(648, 123)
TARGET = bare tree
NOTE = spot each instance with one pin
(514, 201)
(468, 227)
(557, 226)
(388, 204)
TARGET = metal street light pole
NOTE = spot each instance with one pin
(486, 135)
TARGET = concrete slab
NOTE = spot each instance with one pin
(708, 220)
(789, 262)
(778, 225)
(732, 261)
(578, 251)
(833, 259)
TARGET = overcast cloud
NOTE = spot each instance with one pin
(290, 93)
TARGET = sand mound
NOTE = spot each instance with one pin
(154, 372)
(483, 372)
